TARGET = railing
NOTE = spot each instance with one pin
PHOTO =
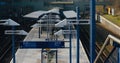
(113, 41)
(111, 26)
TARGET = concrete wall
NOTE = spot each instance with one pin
(109, 25)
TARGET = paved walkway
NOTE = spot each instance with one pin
(34, 55)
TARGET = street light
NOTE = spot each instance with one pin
(10, 22)
(68, 21)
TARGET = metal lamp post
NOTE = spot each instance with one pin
(92, 31)
(10, 22)
(78, 36)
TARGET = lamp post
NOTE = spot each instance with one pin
(92, 31)
(70, 39)
(78, 35)
(40, 30)
(10, 22)
(70, 22)
(13, 45)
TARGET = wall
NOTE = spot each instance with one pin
(109, 25)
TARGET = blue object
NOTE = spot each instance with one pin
(118, 55)
(42, 44)
(13, 46)
(116, 44)
(2, 3)
(92, 31)
(78, 35)
(70, 49)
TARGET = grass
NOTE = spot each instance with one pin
(99, 8)
(113, 19)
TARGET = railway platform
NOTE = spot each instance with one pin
(34, 55)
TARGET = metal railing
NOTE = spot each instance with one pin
(112, 40)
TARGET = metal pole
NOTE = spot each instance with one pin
(39, 31)
(40, 28)
(56, 56)
(42, 55)
(92, 31)
(70, 45)
(13, 46)
(47, 26)
(78, 35)
(118, 55)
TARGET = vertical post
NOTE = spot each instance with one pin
(78, 35)
(92, 31)
(40, 28)
(39, 31)
(42, 56)
(13, 46)
(56, 57)
(70, 45)
(47, 26)
(118, 55)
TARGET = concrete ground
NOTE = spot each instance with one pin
(34, 55)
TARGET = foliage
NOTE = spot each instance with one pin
(114, 19)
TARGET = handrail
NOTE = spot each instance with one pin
(112, 39)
